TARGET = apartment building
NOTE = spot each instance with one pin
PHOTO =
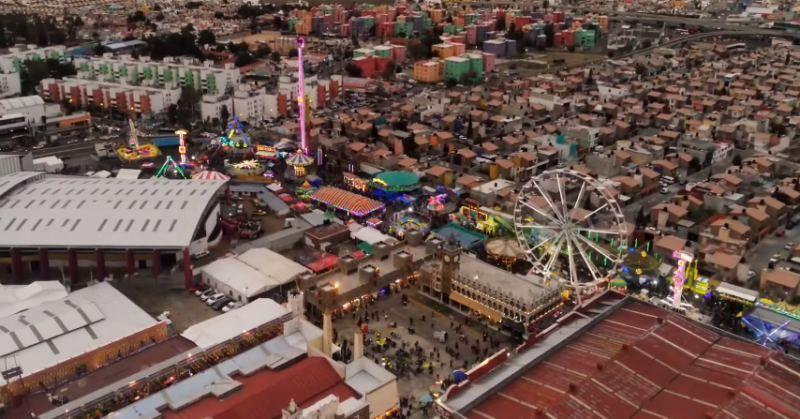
(124, 98)
(167, 74)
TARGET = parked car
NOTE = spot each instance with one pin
(230, 306)
(665, 190)
(211, 295)
(789, 246)
(198, 289)
(205, 294)
(781, 232)
(201, 255)
(214, 298)
(222, 302)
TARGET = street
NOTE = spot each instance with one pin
(758, 256)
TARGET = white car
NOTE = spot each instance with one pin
(665, 190)
(230, 306)
(205, 293)
(789, 246)
(214, 298)
(207, 297)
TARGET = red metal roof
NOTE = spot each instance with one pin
(645, 362)
(266, 393)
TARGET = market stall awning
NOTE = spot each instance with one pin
(352, 203)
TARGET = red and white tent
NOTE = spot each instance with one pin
(210, 175)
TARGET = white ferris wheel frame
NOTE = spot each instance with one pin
(567, 233)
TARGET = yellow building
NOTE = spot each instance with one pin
(429, 71)
(444, 50)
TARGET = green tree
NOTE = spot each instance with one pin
(206, 37)
(224, 114)
(187, 105)
(737, 160)
(275, 56)
(353, 70)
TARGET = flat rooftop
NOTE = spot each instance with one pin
(57, 331)
(501, 280)
(79, 212)
(639, 361)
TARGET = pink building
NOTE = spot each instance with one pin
(488, 62)
(471, 37)
(398, 53)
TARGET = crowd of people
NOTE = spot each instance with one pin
(424, 347)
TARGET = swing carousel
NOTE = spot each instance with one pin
(134, 151)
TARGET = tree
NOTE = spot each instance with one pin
(206, 37)
(641, 218)
(263, 51)
(353, 70)
(469, 127)
(737, 160)
(275, 56)
(243, 59)
(224, 114)
(187, 103)
(391, 69)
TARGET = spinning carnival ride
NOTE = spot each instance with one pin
(134, 151)
(571, 228)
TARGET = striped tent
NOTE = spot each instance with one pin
(210, 175)
(353, 203)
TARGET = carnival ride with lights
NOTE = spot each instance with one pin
(134, 151)
(245, 168)
(571, 228)
(177, 170)
(301, 161)
(236, 139)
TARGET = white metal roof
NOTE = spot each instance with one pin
(737, 291)
(15, 103)
(17, 298)
(216, 330)
(278, 267)
(253, 272)
(61, 211)
(56, 331)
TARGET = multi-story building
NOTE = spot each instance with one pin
(473, 286)
(169, 74)
(123, 98)
(430, 71)
(14, 60)
(13, 63)
(248, 106)
(10, 84)
(456, 68)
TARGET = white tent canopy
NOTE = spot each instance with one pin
(250, 274)
(224, 327)
(370, 236)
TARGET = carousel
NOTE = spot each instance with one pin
(135, 151)
(504, 251)
(299, 162)
(245, 168)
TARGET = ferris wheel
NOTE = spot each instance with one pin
(571, 227)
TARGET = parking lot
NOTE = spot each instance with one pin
(185, 309)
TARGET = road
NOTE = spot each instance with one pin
(758, 256)
(656, 198)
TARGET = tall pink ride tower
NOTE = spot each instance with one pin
(301, 95)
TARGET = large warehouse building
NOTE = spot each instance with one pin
(76, 228)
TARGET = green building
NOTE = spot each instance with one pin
(456, 68)
(476, 65)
